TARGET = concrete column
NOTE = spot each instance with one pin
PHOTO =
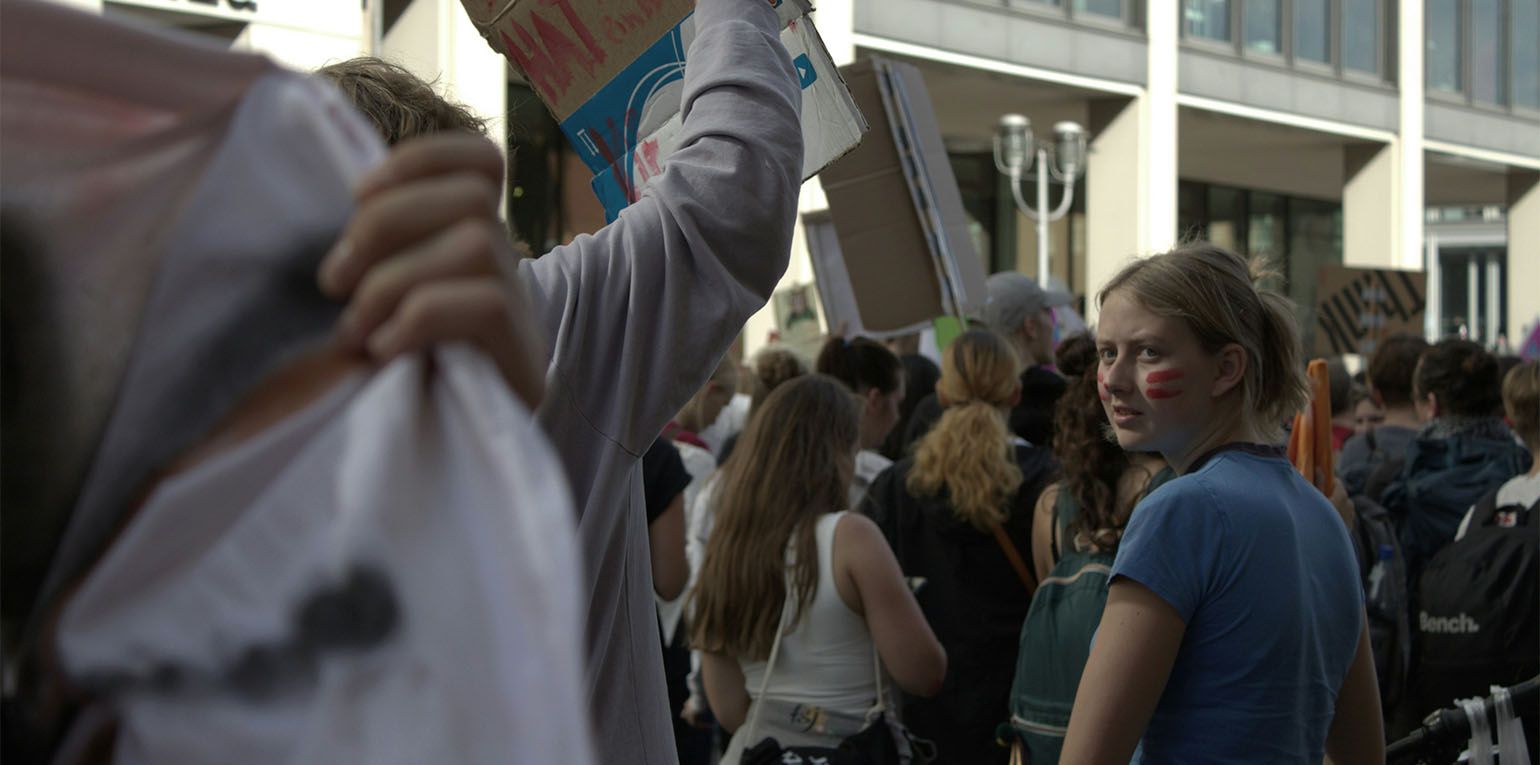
(1371, 209)
(1409, 160)
(1115, 213)
(1158, 156)
(1523, 253)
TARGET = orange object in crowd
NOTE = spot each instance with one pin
(1310, 442)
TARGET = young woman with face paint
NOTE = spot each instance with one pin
(1234, 629)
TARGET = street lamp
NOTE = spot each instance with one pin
(1014, 147)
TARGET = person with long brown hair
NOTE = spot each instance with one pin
(957, 514)
(1234, 628)
(1099, 483)
(783, 553)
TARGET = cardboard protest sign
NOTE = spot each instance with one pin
(612, 74)
(1358, 307)
(900, 254)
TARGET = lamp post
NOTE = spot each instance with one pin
(1014, 155)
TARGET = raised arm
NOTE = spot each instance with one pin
(639, 313)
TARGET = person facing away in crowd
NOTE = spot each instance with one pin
(1521, 404)
(786, 565)
(682, 268)
(1234, 629)
(772, 368)
(957, 514)
(1369, 461)
(920, 376)
(1462, 452)
(1021, 312)
(875, 375)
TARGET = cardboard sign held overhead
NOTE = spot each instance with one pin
(1358, 307)
(901, 254)
(612, 74)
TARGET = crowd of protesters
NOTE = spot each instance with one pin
(1090, 550)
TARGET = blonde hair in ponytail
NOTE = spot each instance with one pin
(1214, 291)
(969, 451)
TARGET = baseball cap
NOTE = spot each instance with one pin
(1014, 296)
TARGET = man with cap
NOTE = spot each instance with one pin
(1021, 312)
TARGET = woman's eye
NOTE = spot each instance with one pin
(1148, 353)
(1108, 354)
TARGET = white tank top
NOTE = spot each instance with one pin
(827, 660)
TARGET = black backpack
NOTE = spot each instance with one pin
(1478, 618)
(1387, 601)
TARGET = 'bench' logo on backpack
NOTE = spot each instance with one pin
(1448, 625)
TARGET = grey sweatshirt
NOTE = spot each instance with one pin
(637, 317)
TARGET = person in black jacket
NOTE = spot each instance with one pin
(958, 514)
(1021, 312)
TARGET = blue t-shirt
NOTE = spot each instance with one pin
(1260, 567)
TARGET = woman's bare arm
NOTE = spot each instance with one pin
(870, 582)
(1136, 645)
(665, 535)
(1357, 732)
(725, 689)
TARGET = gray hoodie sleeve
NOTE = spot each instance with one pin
(638, 314)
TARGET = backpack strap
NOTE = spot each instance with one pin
(1009, 548)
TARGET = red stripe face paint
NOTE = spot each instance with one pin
(1163, 376)
(1101, 386)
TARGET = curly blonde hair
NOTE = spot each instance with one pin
(969, 452)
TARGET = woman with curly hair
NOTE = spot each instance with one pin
(957, 516)
(1087, 508)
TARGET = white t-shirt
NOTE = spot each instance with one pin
(1521, 490)
(869, 465)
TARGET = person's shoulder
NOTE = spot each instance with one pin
(857, 536)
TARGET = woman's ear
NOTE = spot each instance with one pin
(1015, 395)
(873, 399)
(1231, 369)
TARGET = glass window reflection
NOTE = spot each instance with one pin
(1209, 19)
(1312, 33)
(1443, 56)
(1113, 8)
(1488, 53)
(1263, 31)
(1525, 26)
(1361, 35)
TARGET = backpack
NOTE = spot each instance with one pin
(1478, 621)
(1387, 601)
(1056, 638)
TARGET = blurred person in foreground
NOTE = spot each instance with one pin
(1237, 568)
(955, 513)
(790, 574)
(681, 269)
(1020, 311)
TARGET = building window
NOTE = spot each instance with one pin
(1339, 34)
(1443, 31)
(1488, 53)
(1361, 35)
(1113, 8)
(1312, 30)
(1207, 19)
(1296, 236)
(1524, 23)
(1264, 33)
